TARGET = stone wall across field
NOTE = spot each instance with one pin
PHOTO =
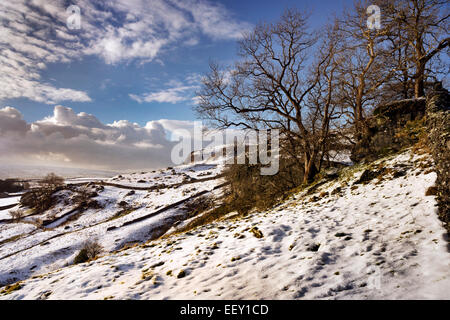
(438, 125)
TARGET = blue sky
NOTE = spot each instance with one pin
(111, 86)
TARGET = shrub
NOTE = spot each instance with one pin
(412, 132)
(90, 250)
(83, 197)
(249, 189)
(17, 215)
(51, 181)
(37, 199)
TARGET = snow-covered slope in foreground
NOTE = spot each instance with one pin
(376, 240)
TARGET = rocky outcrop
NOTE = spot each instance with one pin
(383, 132)
(399, 124)
(438, 128)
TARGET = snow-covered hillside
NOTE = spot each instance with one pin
(371, 233)
(124, 211)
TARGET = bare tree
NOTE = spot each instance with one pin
(270, 87)
(400, 85)
(51, 181)
(41, 198)
(363, 71)
(425, 24)
(324, 101)
(17, 215)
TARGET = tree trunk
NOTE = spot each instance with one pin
(405, 85)
(359, 117)
(419, 88)
(359, 99)
(310, 169)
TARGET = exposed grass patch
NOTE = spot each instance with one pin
(14, 238)
(122, 213)
(11, 288)
(208, 217)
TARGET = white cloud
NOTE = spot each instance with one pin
(11, 120)
(34, 34)
(81, 140)
(171, 95)
(29, 41)
(214, 20)
(177, 91)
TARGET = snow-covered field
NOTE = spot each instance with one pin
(347, 239)
(169, 176)
(26, 249)
(9, 201)
(5, 202)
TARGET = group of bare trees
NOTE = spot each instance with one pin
(309, 84)
(396, 60)
(423, 32)
(40, 198)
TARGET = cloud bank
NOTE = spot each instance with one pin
(81, 140)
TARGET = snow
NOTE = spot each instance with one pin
(380, 240)
(4, 202)
(8, 201)
(167, 176)
(15, 230)
(342, 157)
(4, 214)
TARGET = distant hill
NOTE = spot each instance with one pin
(33, 172)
